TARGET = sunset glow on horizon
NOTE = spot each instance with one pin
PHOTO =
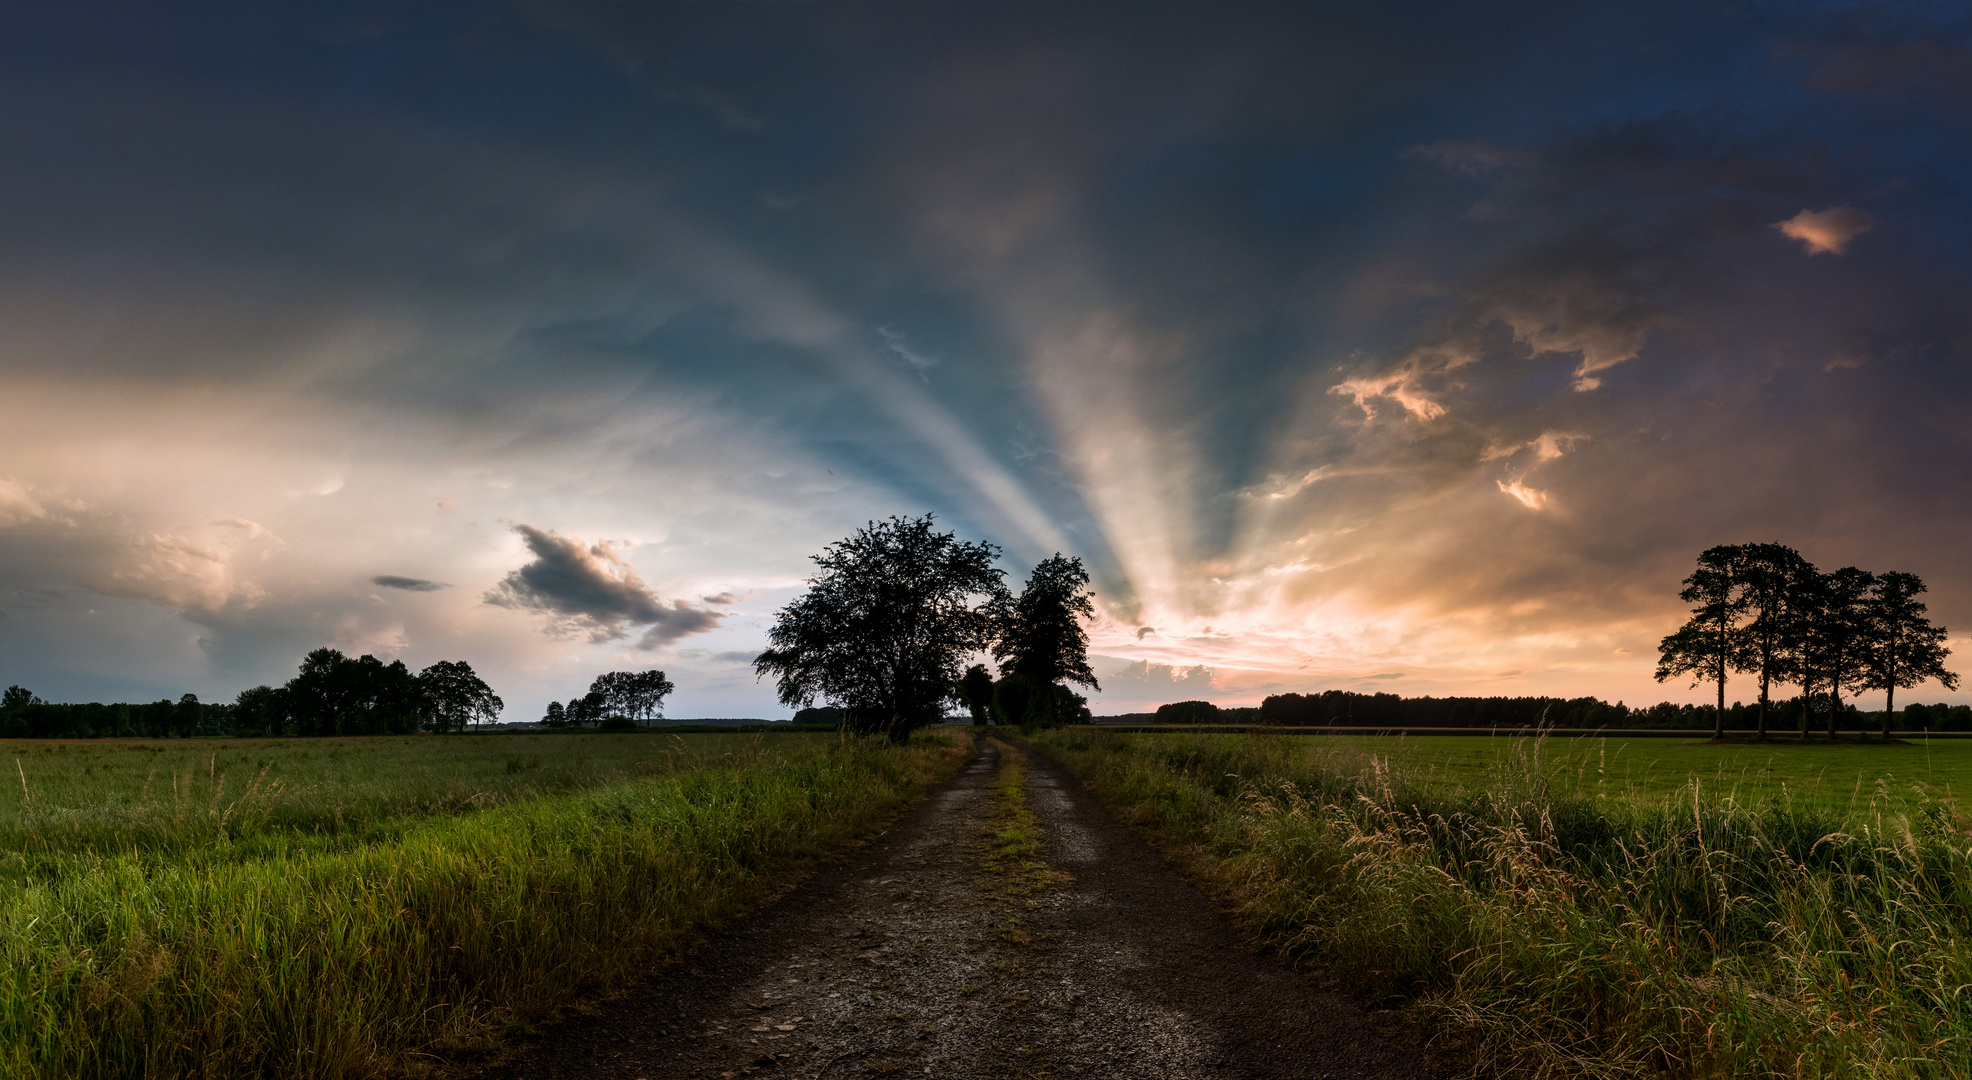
(1407, 351)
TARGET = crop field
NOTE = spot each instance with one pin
(347, 907)
(1582, 907)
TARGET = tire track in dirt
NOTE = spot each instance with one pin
(910, 959)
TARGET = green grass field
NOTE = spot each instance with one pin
(353, 907)
(1619, 908)
(1850, 778)
(233, 798)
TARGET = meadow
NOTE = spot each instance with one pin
(352, 907)
(1850, 778)
(1589, 907)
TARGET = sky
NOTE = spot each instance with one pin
(1407, 347)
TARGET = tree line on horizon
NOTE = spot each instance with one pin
(1347, 708)
(1763, 610)
(331, 694)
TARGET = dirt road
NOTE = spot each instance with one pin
(911, 959)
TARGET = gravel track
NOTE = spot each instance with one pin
(906, 959)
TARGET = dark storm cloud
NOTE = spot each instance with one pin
(588, 588)
(408, 584)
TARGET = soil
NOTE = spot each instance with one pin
(909, 959)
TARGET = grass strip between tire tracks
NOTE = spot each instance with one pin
(393, 957)
(1690, 936)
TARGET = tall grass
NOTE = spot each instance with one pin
(339, 954)
(1687, 935)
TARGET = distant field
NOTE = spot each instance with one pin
(1842, 777)
(353, 907)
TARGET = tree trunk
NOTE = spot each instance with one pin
(1762, 735)
(1834, 706)
(1890, 681)
(1807, 704)
(1718, 718)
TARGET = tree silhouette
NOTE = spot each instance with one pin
(1835, 635)
(976, 688)
(1901, 647)
(886, 625)
(1709, 644)
(1773, 577)
(638, 695)
(1040, 636)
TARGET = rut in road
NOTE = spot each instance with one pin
(923, 955)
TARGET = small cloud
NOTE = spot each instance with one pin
(1384, 675)
(1546, 446)
(729, 656)
(722, 105)
(1469, 157)
(894, 343)
(1827, 230)
(720, 599)
(408, 584)
(448, 506)
(589, 588)
(1399, 388)
(17, 504)
(1531, 498)
(1145, 631)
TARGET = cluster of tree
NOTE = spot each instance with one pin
(1763, 610)
(894, 613)
(332, 694)
(616, 700)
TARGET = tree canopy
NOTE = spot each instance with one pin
(455, 697)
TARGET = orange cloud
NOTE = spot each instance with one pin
(1827, 230)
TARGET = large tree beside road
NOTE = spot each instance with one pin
(887, 625)
(1040, 634)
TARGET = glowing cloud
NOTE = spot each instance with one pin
(1531, 498)
(1400, 388)
(1827, 230)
